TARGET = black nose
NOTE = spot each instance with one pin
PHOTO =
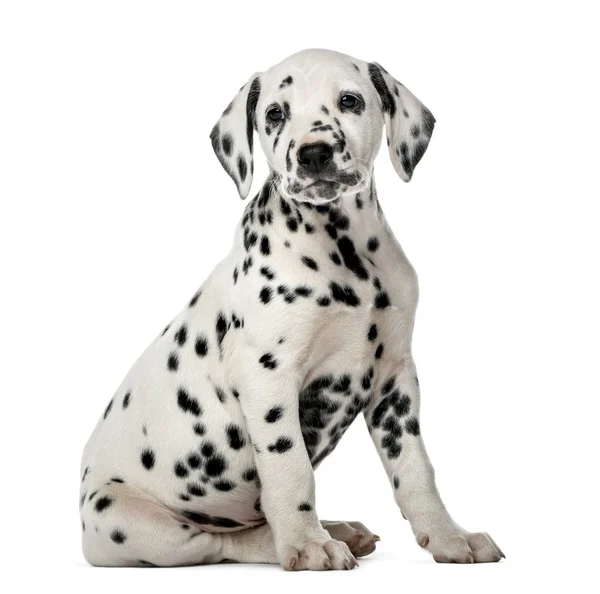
(315, 156)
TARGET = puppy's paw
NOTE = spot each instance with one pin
(318, 556)
(360, 540)
(459, 546)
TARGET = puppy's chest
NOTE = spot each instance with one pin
(334, 257)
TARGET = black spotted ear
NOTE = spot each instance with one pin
(232, 136)
(408, 123)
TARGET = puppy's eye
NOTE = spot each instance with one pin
(274, 114)
(348, 101)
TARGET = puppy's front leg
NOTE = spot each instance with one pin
(393, 421)
(269, 401)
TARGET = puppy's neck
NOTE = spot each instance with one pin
(272, 209)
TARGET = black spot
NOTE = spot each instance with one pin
(185, 526)
(283, 444)
(126, 399)
(184, 497)
(305, 507)
(194, 460)
(235, 438)
(250, 239)
(250, 475)
(235, 275)
(220, 394)
(303, 291)
(335, 258)
(251, 101)
(381, 300)
(373, 244)
(116, 479)
(267, 273)
(331, 230)
(221, 329)
(208, 449)
(173, 362)
(93, 495)
(393, 450)
(180, 470)
(201, 346)
(285, 207)
(268, 362)
(324, 301)
(344, 294)
(388, 103)
(412, 426)
(379, 351)
(392, 426)
(418, 153)
(324, 110)
(308, 261)
(342, 384)
(201, 518)
(389, 385)
(224, 485)
(215, 140)
(102, 503)
(286, 81)
(415, 130)
(359, 203)
(351, 258)
(108, 408)
(199, 429)
(372, 335)
(196, 490)
(188, 403)
(148, 459)
(309, 228)
(265, 246)
(366, 382)
(215, 466)
(401, 404)
(292, 224)
(247, 264)
(194, 299)
(265, 294)
(274, 414)
(227, 143)
(396, 482)
(379, 412)
(181, 335)
(118, 536)
(405, 158)
(242, 167)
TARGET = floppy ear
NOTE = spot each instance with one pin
(408, 123)
(232, 135)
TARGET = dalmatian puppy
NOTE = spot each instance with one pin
(207, 450)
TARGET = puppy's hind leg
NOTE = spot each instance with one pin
(360, 540)
(125, 527)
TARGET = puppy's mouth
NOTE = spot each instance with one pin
(325, 188)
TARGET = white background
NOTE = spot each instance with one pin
(114, 209)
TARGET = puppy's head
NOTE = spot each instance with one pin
(319, 117)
